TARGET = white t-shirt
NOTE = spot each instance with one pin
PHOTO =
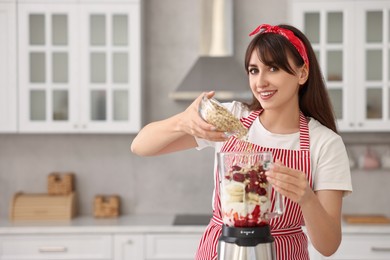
(329, 159)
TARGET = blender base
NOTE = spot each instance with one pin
(231, 251)
(246, 243)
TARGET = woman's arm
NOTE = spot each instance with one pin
(322, 216)
(175, 133)
(321, 210)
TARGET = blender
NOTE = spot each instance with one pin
(248, 202)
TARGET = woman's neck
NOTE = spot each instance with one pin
(280, 122)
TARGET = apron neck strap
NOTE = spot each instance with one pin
(303, 127)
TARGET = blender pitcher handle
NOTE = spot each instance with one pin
(278, 199)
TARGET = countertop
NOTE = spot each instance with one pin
(139, 224)
(123, 224)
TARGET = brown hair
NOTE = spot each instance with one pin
(313, 97)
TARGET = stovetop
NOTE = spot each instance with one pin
(192, 219)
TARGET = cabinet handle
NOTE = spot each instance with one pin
(52, 249)
(130, 242)
(380, 249)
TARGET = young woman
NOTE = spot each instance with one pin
(290, 114)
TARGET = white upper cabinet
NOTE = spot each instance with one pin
(8, 87)
(79, 67)
(351, 40)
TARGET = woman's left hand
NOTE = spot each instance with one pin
(289, 182)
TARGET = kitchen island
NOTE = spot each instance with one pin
(144, 237)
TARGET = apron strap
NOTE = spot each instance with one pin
(303, 127)
(304, 132)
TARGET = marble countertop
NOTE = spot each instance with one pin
(138, 224)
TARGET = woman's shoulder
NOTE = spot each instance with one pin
(322, 133)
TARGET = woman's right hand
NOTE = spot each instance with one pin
(192, 123)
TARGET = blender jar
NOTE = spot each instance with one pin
(247, 199)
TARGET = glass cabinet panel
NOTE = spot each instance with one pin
(98, 67)
(336, 97)
(60, 29)
(373, 65)
(335, 27)
(98, 30)
(121, 104)
(335, 66)
(37, 105)
(60, 67)
(37, 29)
(120, 30)
(312, 27)
(37, 67)
(374, 26)
(120, 67)
(388, 105)
(60, 105)
(98, 105)
(374, 103)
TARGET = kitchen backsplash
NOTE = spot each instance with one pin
(176, 183)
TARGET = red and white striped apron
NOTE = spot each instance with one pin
(290, 241)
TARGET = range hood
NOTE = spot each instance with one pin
(216, 68)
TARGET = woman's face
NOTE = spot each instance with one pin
(274, 88)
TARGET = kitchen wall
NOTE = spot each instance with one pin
(175, 183)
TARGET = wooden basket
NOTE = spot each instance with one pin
(42, 207)
(106, 206)
(60, 183)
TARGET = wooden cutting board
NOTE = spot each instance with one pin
(366, 219)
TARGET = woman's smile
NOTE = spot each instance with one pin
(265, 95)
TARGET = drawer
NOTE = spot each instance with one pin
(172, 246)
(367, 247)
(55, 247)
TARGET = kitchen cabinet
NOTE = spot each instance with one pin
(8, 88)
(363, 247)
(55, 246)
(172, 246)
(129, 247)
(79, 66)
(351, 41)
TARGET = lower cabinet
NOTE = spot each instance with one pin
(358, 247)
(363, 247)
(157, 246)
(79, 246)
(129, 247)
(53, 246)
(172, 246)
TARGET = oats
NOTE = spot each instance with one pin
(216, 114)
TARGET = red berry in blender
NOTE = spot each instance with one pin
(236, 168)
(261, 191)
(239, 177)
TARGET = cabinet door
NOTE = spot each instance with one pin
(373, 71)
(129, 247)
(56, 246)
(172, 246)
(110, 67)
(8, 116)
(327, 26)
(363, 247)
(48, 67)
